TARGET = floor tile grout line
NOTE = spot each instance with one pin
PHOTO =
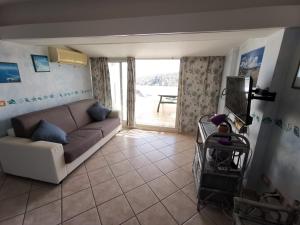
(11, 217)
(61, 201)
(94, 197)
(127, 201)
(27, 201)
(146, 183)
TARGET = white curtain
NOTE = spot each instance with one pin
(101, 81)
(198, 90)
(130, 92)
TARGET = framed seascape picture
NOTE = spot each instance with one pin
(296, 83)
(9, 73)
(250, 64)
(40, 63)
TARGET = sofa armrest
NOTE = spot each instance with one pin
(38, 160)
(114, 114)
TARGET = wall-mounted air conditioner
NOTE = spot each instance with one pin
(61, 55)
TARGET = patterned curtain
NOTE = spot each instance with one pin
(198, 90)
(130, 92)
(101, 81)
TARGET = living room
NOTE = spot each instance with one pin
(135, 158)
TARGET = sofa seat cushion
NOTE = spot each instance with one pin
(106, 126)
(79, 142)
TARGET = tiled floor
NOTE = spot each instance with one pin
(139, 177)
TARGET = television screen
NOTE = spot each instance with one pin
(237, 101)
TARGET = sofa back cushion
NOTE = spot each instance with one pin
(60, 116)
(79, 111)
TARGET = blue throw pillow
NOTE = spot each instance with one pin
(98, 112)
(49, 132)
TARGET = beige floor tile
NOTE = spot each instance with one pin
(184, 145)
(170, 150)
(95, 163)
(199, 219)
(158, 144)
(180, 177)
(140, 161)
(121, 168)
(156, 215)
(115, 211)
(180, 206)
(181, 159)
(166, 165)
(131, 152)
(110, 148)
(130, 181)
(155, 156)
(132, 221)
(216, 215)
(14, 186)
(100, 175)
(171, 139)
(75, 184)
(162, 187)
(47, 215)
(97, 154)
(13, 206)
(190, 191)
(106, 191)
(115, 157)
(188, 167)
(18, 220)
(89, 217)
(145, 148)
(78, 171)
(141, 198)
(77, 203)
(149, 172)
(43, 195)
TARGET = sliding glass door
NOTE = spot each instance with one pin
(156, 92)
(118, 82)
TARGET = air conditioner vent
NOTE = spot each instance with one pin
(67, 56)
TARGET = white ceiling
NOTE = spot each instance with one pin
(156, 46)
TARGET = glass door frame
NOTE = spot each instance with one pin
(120, 61)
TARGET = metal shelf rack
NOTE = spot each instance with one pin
(218, 169)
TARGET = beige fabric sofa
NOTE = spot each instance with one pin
(52, 162)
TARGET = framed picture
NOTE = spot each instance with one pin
(250, 64)
(296, 83)
(9, 73)
(40, 63)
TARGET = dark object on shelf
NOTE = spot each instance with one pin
(218, 169)
(263, 94)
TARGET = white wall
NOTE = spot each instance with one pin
(73, 82)
(281, 164)
(257, 134)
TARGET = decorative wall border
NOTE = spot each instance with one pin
(285, 126)
(35, 99)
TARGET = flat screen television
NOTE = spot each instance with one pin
(238, 97)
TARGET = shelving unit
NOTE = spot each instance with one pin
(218, 169)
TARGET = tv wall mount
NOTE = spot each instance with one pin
(263, 94)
